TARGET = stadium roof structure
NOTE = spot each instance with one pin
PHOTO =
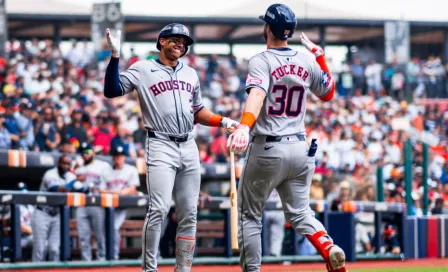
(233, 21)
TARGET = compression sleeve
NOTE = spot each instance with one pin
(112, 79)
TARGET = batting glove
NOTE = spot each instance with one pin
(114, 43)
(239, 139)
(313, 48)
(229, 124)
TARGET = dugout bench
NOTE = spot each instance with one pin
(337, 223)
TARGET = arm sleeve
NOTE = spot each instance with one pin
(259, 75)
(322, 82)
(116, 84)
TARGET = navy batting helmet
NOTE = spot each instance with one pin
(281, 20)
(175, 30)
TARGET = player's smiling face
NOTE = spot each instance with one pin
(173, 47)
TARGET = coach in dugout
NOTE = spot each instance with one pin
(123, 180)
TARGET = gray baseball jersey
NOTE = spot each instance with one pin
(45, 222)
(87, 217)
(286, 76)
(167, 96)
(95, 174)
(118, 179)
(281, 162)
(50, 179)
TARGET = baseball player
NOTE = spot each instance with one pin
(278, 156)
(171, 103)
(123, 180)
(92, 174)
(45, 221)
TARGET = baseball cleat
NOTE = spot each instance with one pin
(336, 258)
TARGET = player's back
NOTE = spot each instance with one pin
(285, 75)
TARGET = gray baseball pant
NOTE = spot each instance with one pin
(87, 217)
(173, 170)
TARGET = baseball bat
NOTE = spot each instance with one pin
(233, 204)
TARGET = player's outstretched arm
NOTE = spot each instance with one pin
(207, 118)
(327, 86)
(115, 84)
(112, 79)
(239, 140)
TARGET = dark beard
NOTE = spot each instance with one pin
(88, 161)
(265, 35)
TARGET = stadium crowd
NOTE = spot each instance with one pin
(53, 102)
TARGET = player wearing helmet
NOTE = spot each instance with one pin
(279, 156)
(171, 102)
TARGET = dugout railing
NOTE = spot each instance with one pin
(340, 225)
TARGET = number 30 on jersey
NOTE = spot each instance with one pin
(288, 101)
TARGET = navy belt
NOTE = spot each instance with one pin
(273, 139)
(177, 139)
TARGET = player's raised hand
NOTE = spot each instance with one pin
(229, 124)
(312, 47)
(114, 43)
(239, 139)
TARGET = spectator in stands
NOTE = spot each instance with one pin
(103, 135)
(25, 126)
(140, 135)
(219, 146)
(11, 123)
(76, 131)
(316, 191)
(345, 194)
(373, 77)
(47, 137)
(5, 137)
(438, 207)
(124, 140)
(358, 73)
(61, 128)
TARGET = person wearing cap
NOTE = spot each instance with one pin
(123, 180)
(45, 221)
(5, 136)
(93, 174)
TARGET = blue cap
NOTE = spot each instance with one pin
(117, 150)
(86, 148)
